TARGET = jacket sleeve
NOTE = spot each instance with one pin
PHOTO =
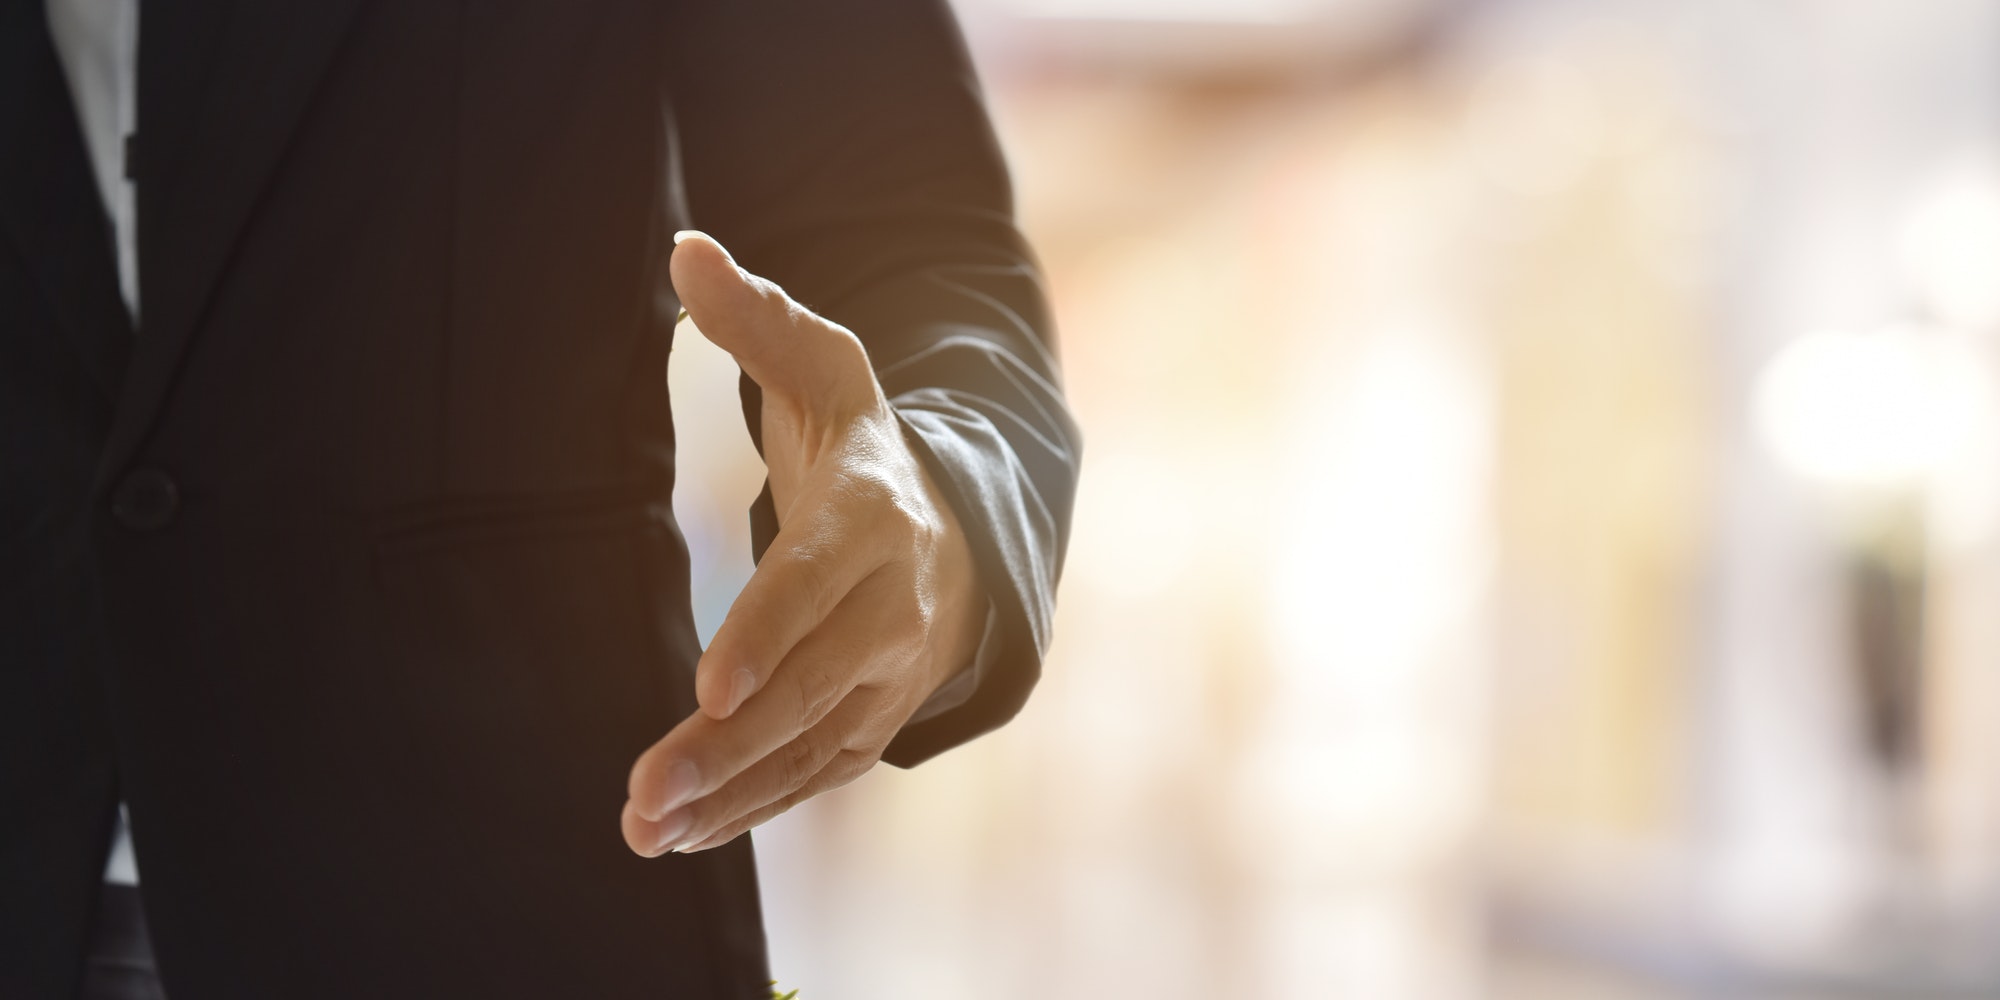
(842, 149)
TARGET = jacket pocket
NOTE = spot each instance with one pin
(534, 630)
(496, 519)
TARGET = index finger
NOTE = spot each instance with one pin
(803, 576)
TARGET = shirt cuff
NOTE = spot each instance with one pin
(954, 692)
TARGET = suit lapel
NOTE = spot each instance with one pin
(49, 206)
(222, 86)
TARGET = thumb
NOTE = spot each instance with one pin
(780, 344)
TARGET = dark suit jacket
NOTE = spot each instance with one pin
(353, 570)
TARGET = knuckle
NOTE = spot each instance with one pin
(825, 695)
(845, 766)
(913, 644)
(771, 295)
(880, 723)
(927, 529)
(798, 761)
(796, 796)
(816, 690)
(879, 715)
(917, 608)
(887, 512)
(917, 524)
(909, 614)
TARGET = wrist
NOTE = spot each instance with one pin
(962, 606)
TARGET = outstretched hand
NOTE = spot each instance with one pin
(865, 602)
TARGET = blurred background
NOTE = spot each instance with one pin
(1540, 524)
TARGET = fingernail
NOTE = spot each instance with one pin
(742, 684)
(686, 233)
(672, 828)
(682, 780)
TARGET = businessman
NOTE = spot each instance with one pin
(336, 553)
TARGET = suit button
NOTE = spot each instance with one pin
(145, 500)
